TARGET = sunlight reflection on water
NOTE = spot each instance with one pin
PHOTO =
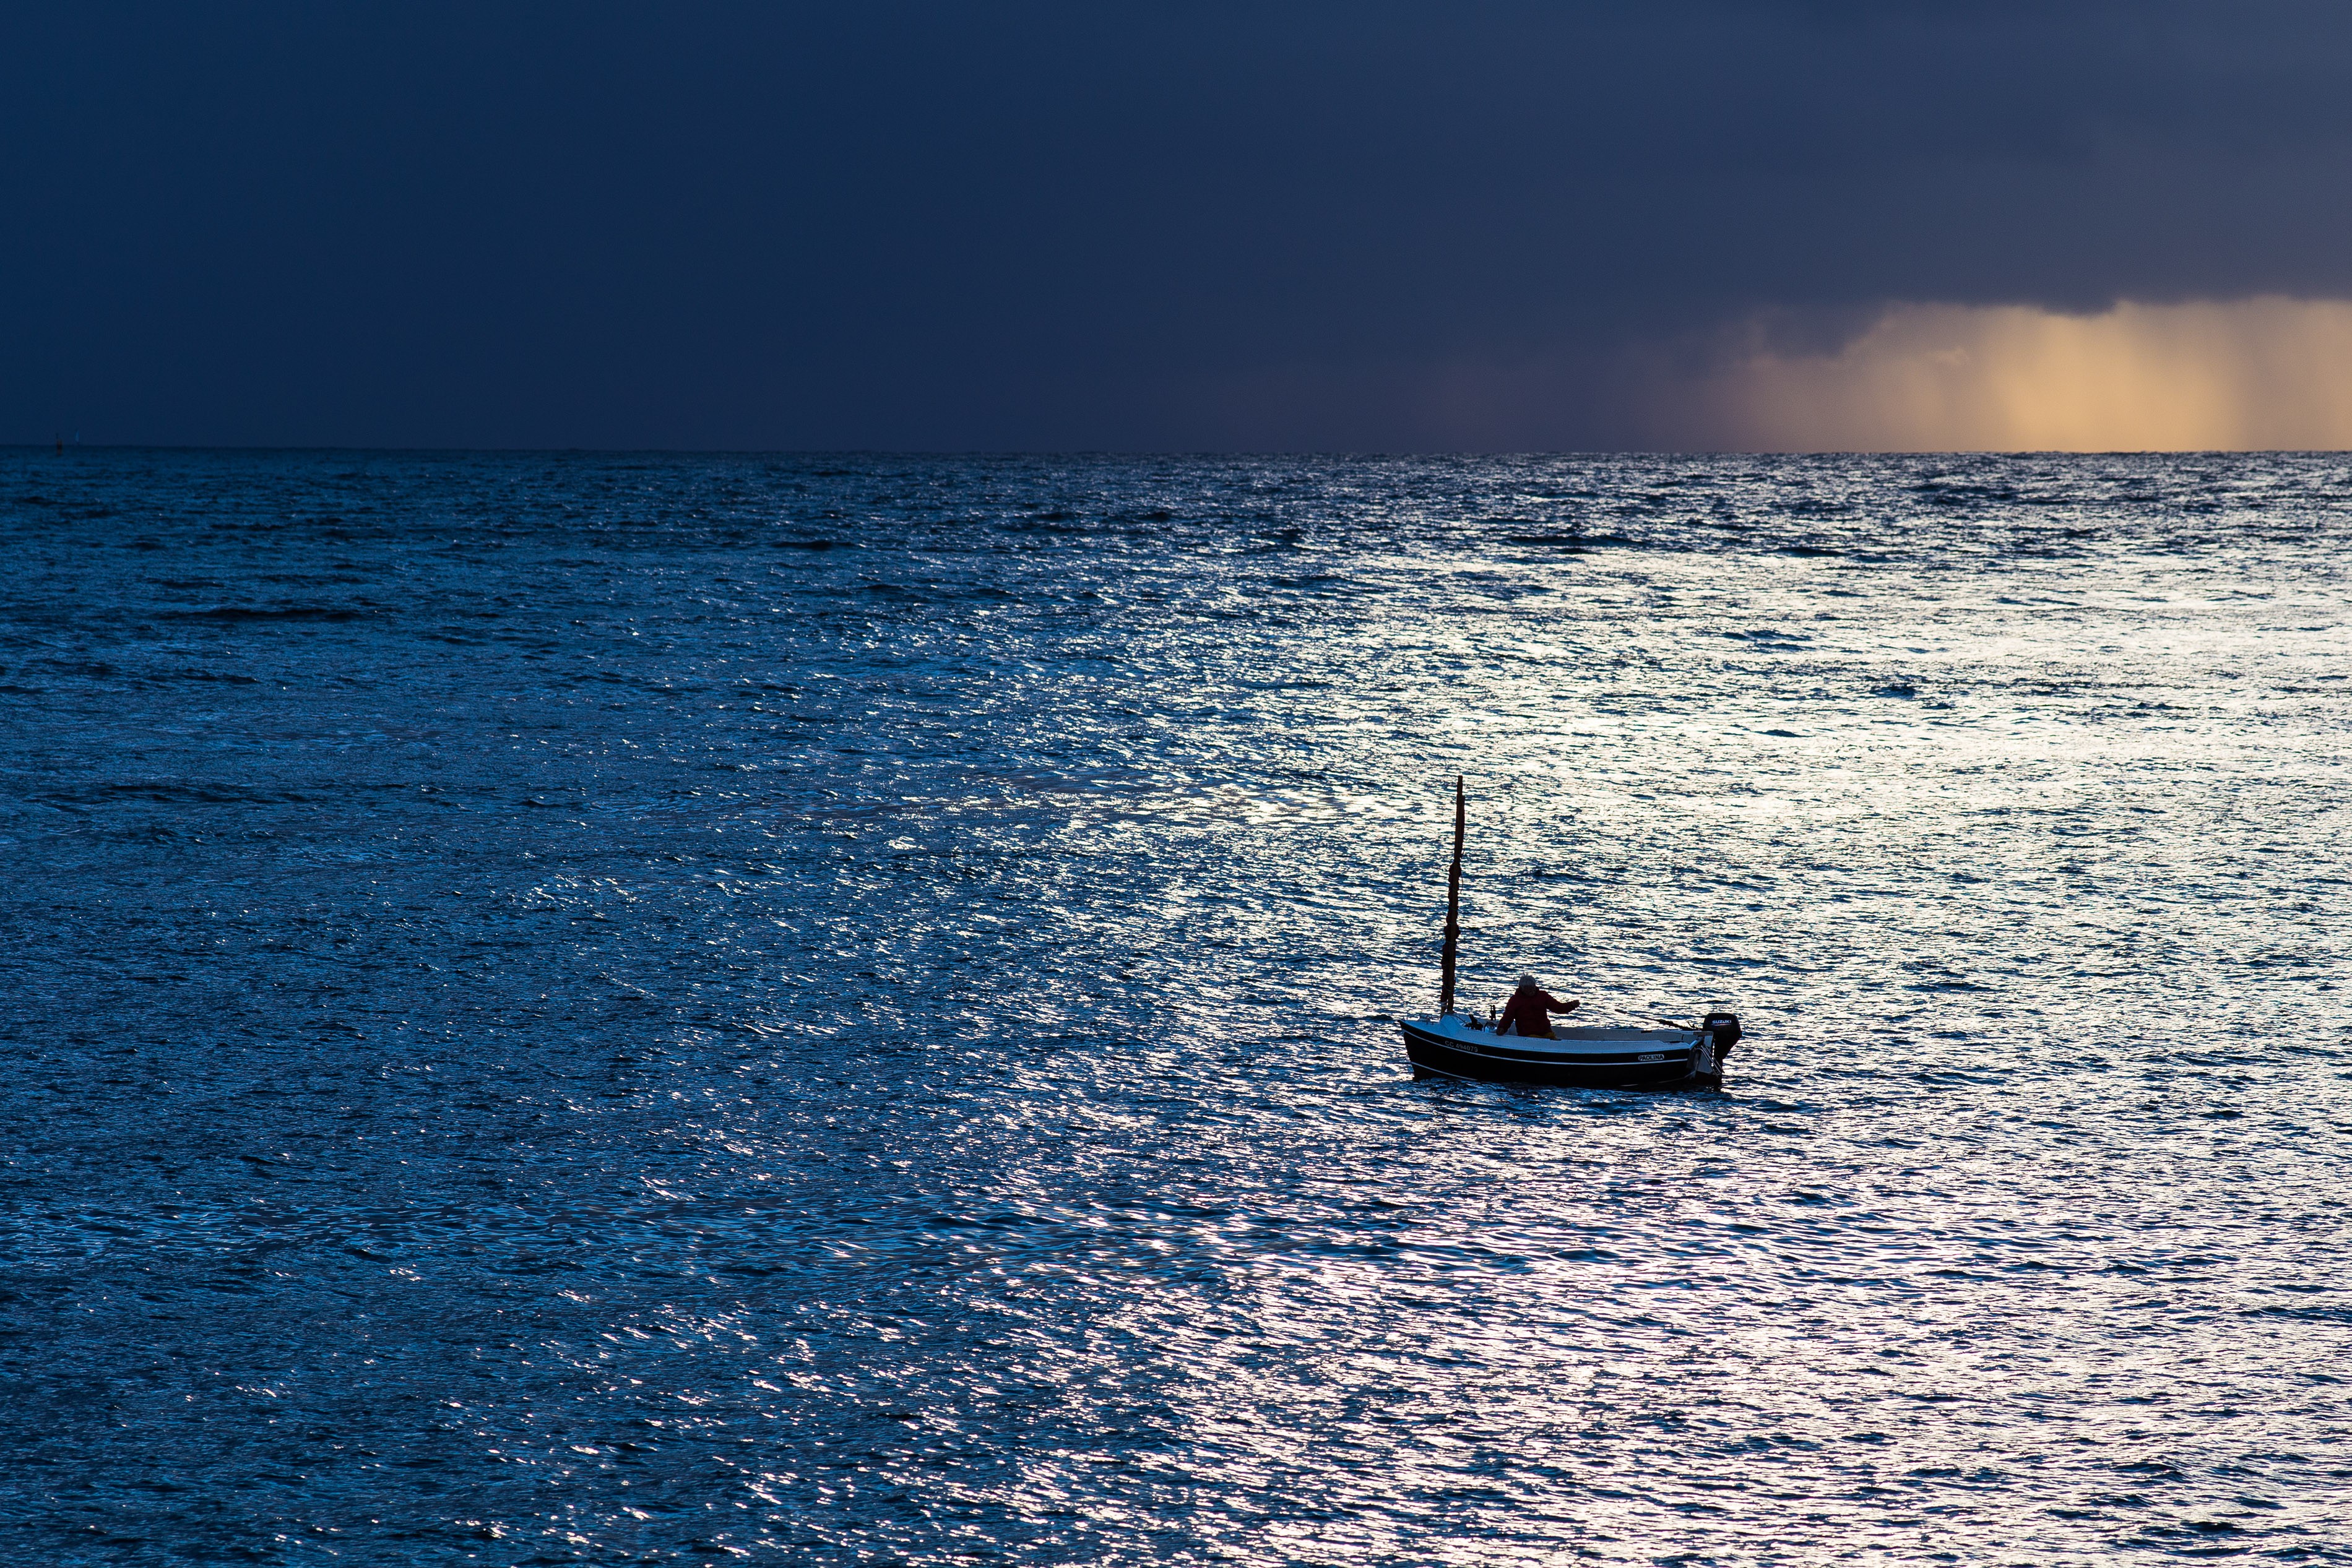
(557, 1022)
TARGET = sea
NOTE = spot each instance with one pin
(842, 1009)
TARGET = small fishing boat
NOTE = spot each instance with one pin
(1458, 1046)
(1462, 1047)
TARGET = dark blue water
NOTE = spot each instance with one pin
(606, 1010)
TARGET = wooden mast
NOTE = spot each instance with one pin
(1452, 908)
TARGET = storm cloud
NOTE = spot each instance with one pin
(1314, 225)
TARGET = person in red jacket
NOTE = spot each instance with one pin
(1529, 1010)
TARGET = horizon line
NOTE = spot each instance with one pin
(54, 448)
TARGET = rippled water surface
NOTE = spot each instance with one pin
(693, 1010)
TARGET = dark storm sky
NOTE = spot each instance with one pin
(1044, 225)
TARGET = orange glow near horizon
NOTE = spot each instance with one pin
(2251, 374)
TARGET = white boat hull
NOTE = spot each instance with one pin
(1592, 1057)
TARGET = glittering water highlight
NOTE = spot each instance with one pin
(584, 1010)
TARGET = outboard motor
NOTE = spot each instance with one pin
(1722, 1031)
